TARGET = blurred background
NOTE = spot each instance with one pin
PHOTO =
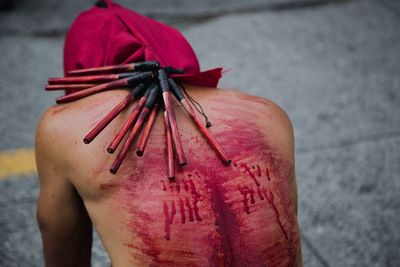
(334, 66)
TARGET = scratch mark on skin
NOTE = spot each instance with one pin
(270, 197)
(164, 188)
(247, 169)
(244, 191)
(195, 196)
(268, 175)
(191, 219)
(260, 194)
(185, 185)
(258, 170)
(196, 209)
(193, 189)
(169, 218)
(251, 191)
(182, 211)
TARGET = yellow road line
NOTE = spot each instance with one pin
(18, 162)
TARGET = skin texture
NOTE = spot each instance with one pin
(213, 215)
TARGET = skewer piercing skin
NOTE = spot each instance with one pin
(146, 131)
(138, 66)
(132, 135)
(166, 94)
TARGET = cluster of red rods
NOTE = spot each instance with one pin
(151, 85)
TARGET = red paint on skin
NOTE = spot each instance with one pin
(247, 169)
(182, 211)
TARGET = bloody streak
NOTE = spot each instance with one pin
(258, 170)
(196, 209)
(244, 191)
(203, 130)
(169, 219)
(191, 219)
(163, 184)
(268, 175)
(193, 188)
(182, 211)
(270, 198)
(251, 191)
(260, 195)
(185, 186)
(247, 169)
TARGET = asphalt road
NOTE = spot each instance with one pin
(333, 67)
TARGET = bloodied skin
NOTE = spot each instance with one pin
(212, 214)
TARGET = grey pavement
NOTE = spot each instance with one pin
(334, 68)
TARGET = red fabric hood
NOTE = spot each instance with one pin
(114, 35)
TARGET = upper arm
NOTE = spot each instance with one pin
(61, 215)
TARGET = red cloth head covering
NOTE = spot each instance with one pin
(115, 35)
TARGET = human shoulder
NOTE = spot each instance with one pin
(269, 117)
(48, 140)
(268, 109)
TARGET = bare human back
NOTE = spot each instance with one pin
(212, 215)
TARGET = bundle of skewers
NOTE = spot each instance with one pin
(153, 88)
